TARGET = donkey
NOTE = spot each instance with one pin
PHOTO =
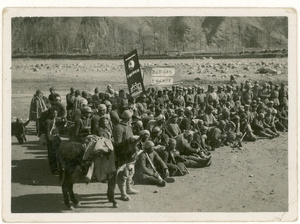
(18, 130)
(72, 168)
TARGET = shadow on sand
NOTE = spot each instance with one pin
(53, 203)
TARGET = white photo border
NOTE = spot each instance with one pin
(291, 215)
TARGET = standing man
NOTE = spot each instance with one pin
(247, 95)
(221, 95)
(52, 95)
(109, 91)
(122, 100)
(126, 158)
(38, 105)
(95, 120)
(82, 125)
(212, 97)
(199, 97)
(53, 141)
(70, 98)
(283, 95)
(190, 98)
(77, 103)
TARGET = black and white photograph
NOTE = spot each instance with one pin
(184, 112)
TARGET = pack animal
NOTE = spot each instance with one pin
(18, 130)
(72, 169)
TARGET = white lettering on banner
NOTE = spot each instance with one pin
(162, 80)
(132, 73)
(162, 71)
(136, 89)
(130, 57)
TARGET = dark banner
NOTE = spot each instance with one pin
(133, 74)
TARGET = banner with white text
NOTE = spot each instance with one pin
(159, 75)
(133, 74)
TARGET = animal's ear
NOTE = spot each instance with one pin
(18, 120)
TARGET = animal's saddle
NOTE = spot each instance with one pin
(96, 144)
(101, 165)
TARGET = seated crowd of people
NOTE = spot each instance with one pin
(172, 128)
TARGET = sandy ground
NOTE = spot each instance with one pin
(254, 179)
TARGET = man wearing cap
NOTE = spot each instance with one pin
(236, 95)
(235, 110)
(264, 93)
(52, 95)
(61, 110)
(189, 98)
(221, 94)
(159, 139)
(144, 136)
(109, 91)
(114, 115)
(70, 99)
(209, 118)
(275, 96)
(256, 90)
(77, 102)
(183, 144)
(203, 132)
(283, 95)
(88, 97)
(229, 92)
(212, 97)
(137, 126)
(122, 100)
(282, 116)
(56, 103)
(172, 127)
(259, 129)
(159, 100)
(247, 95)
(82, 126)
(95, 97)
(166, 97)
(280, 122)
(173, 160)
(77, 113)
(270, 105)
(179, 99)
(185, 123)
(101, 111)
(103, 129)
(269, 121)
(123, 135)
(39, 104)
(141, 105)
(199, 97)
(53, 141)
(151, 169)
(216, 135)
(245, 125)
(108, 105)
(172, 94)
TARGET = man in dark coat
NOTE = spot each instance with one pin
(173, 160)
(82, 125)
(150, 167)
(123, 135)
(96, 118)
(53, 95)
(70, 98)
(53, 141)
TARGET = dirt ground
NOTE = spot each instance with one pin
(254, 179)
